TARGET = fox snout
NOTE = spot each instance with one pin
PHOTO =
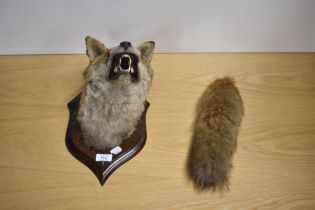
(125, 45)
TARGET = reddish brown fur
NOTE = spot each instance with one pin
(218, 116)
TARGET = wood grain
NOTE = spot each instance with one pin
(274, 165)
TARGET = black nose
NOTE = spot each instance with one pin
(125, 44)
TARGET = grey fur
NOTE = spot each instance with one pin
(110, 109)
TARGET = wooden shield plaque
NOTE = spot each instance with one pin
(87, 155)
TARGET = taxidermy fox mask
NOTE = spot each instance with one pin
(117, 83)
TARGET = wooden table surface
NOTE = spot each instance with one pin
(274, 166)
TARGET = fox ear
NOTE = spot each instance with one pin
(146, 49)
(94, 48)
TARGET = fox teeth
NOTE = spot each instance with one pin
(125, 70)
(118, 69)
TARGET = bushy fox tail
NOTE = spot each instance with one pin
(219, 113)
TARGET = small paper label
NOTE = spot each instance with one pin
(116, 150)
(104, 157)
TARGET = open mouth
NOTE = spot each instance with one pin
(124, 63)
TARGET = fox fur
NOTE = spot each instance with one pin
(219, 114)
(110, 108)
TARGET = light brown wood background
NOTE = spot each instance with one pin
(274, 166)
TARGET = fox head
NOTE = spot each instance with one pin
(121, 66)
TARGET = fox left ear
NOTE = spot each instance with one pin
(146, 49)
(94, 48)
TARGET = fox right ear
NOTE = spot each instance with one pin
(146, 49)
(94, 48)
